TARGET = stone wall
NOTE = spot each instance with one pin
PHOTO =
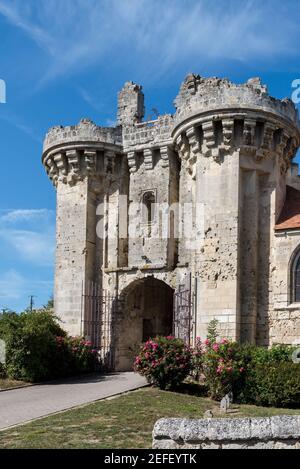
(226, 153)
(284, 320)
(279, 432)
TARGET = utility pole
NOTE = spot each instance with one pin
(31, 302)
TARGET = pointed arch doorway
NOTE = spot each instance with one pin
(146, 311)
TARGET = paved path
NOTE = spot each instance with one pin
(21, 405)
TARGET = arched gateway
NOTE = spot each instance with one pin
(146, 310)
(220, 173)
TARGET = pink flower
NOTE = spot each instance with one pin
(224, 341)
(216, 347)
(242, 369)
(207, 342)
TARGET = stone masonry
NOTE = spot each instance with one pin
(198, 201)
(279, 432)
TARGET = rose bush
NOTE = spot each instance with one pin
(164, 361)
(223, 366)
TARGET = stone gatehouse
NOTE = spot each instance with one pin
(164, 225)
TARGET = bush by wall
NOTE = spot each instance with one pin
(255, 375)
(276, 385)
(164, 361)
(37, 348)
(222, 365)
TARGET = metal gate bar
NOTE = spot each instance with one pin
(98, 311)
(182, 312)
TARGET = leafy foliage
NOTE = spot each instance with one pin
(223, 367)
(37, 348)
(212, 330)
(276, 384)
(164, 361)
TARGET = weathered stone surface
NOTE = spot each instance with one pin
(279, 432)
(219, 170)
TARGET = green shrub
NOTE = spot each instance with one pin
(255, 375)
(164, 361)
(2, 371)
(37, 348)
(223, 367)
(79, 354)
(212, 330)
(275, 384)
(31, 352)
(197, 354)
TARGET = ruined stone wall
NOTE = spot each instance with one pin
(280, 432)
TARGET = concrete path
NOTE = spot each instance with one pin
(21, 405)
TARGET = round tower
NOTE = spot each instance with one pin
(236, 144)
(86, 166)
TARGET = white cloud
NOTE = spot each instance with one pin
(36, 242)
(19, 215)
(153, 35)
(37, 248)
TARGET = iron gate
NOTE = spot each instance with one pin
(182, 312)
(98, 313)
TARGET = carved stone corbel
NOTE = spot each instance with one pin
(148, 158)
(90, 157)
(182, 147)
(165, 156)
(265, 151)
(228, 133)
(208, 138)
(132, 164)
(74, 166)
(62, 166)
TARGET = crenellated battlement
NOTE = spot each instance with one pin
(200, 95)
(85, 131)
(150, 133)
(213, 116)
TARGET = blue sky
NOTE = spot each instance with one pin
(66, 59)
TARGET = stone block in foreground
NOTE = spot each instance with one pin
(279, 432)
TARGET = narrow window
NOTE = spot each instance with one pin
(148, 207)
(296, 279)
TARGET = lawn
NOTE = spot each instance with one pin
(6, 383)
(123, 422)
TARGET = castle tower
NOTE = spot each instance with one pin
(236, 144)
(179, 220)
(85, 165)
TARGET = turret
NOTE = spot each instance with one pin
(85, 164)
(236, 144)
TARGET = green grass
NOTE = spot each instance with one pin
(123, 422)
(6, 383)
